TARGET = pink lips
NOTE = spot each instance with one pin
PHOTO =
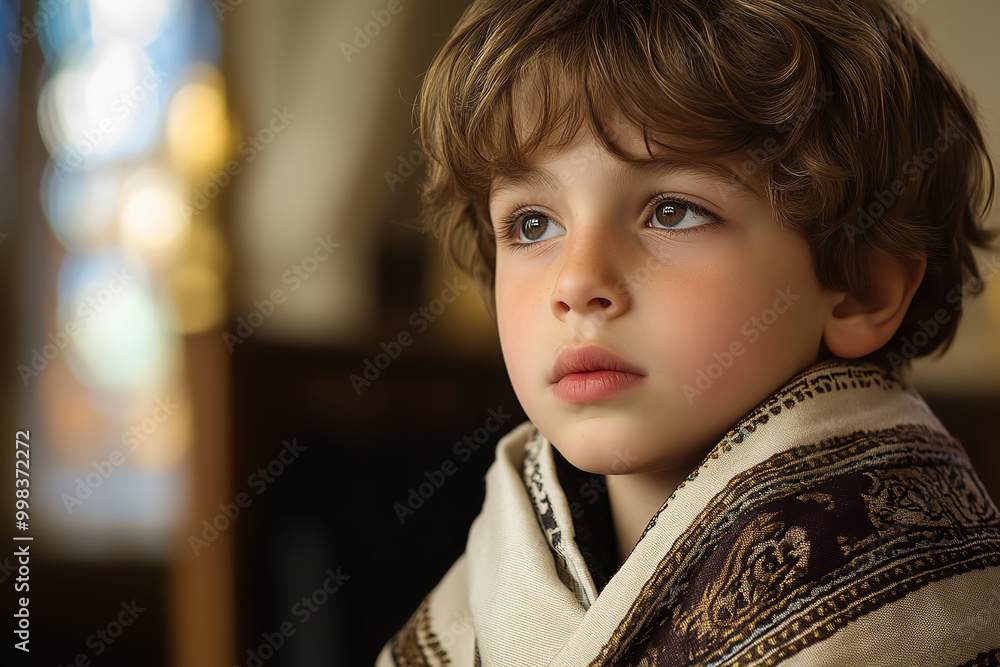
(590, 374)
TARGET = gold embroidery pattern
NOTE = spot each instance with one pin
(861, 597)
(768, 561)
(929, 518)
(821, 379)
(925, 497)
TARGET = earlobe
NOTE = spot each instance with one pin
(856, 327)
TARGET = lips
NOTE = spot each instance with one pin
(590, 374)
(588, 360)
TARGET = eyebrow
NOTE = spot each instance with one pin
(543, 179)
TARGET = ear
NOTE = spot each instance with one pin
(856, 327)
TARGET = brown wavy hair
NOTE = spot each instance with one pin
(847, 122)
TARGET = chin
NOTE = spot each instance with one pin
(596, 463)
(600, 451)
(613, 447)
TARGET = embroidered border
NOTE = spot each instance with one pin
(793, 472)
(409, 644)
(857, 599)
(554, 533)
(823, 378)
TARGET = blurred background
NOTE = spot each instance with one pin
(255, 400)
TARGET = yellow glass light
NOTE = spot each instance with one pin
(198, 134)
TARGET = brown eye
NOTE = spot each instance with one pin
(526, 227)
(679, 214)
(534, 226)
(669, 213)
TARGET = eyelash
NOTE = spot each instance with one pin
(509, 226)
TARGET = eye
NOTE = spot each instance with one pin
(528, 227)
(677, 213)
(537, 227)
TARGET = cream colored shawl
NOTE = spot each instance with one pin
(836, 524)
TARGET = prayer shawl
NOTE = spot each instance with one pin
(836, 524)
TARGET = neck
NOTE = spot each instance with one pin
(634, 499)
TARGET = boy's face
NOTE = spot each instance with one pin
(708, 316)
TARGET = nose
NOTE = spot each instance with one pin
(590, 280)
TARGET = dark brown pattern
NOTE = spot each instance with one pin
(984, 659)
(554, 533)
(820, 379)
(769, 560)
(413, 644)
(839, 527)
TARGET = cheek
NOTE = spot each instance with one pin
(517, 325)
(700, 313)
(722, 325)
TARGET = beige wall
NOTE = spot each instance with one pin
(324, 174)
(964, 31)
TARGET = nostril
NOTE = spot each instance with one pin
(604, 302)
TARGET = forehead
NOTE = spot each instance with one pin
(723, 174)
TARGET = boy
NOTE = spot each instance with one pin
(710, 234)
